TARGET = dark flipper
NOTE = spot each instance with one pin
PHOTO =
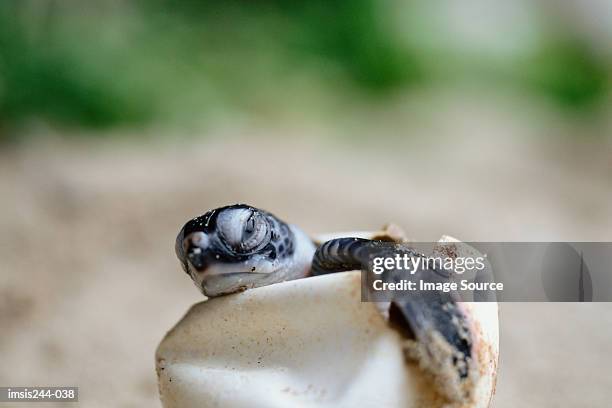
(341, 254)
(433, 318)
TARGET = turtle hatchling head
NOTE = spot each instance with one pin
(238, 247)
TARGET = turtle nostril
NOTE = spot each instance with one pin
(195, 245)
(197, 258)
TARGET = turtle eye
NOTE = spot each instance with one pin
(244, 230)
(256, 232)
(249, 226)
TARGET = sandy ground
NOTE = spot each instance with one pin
(89, 283)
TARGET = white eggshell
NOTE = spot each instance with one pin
(305, 343)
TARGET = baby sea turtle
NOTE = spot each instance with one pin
(239, 247)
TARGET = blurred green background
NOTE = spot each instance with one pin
(98, 65)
